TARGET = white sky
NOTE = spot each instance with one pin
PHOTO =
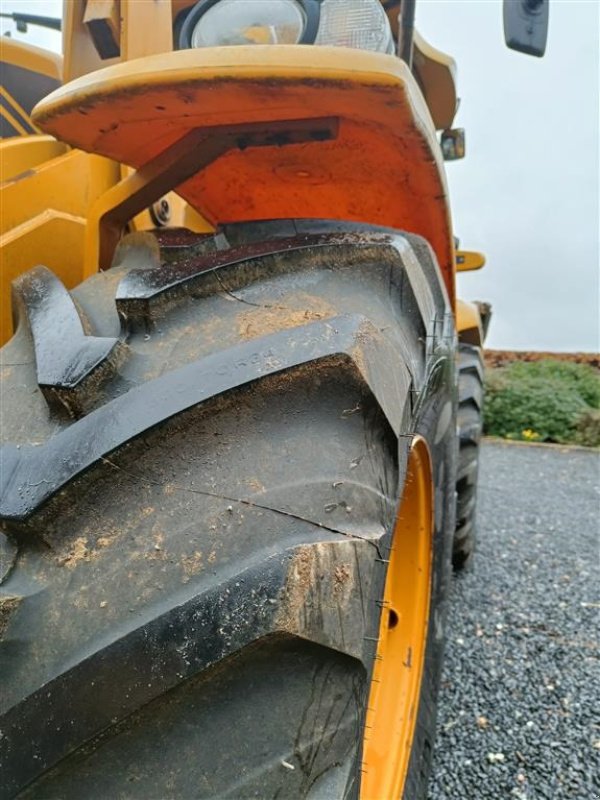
(527, 192)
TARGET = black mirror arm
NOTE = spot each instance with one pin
(23, 20)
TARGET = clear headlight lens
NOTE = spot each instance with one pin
(231, 22)
(362, 24)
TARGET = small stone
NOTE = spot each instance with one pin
(496, 758)
(482, 722)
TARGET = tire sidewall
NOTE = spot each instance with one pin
(440, 396)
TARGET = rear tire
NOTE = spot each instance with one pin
(199, 499)
(470, 428)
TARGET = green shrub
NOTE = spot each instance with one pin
(588, 428)
(581, 378)
(552, 401)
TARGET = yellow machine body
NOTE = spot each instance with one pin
(122, 134)
(27, 74)
(46, 193)
(380, 161)
(133, 112)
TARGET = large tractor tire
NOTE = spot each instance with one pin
(470, 428)
(227, 495)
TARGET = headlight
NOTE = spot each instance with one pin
(361, 24)
(214, 23)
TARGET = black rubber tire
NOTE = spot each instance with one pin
(198, 493)
(470, 428)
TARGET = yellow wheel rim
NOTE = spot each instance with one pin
(398, 670)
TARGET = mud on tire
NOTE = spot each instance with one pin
(203, 457)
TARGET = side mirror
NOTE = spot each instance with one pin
(452, 142)
(526, 26)
(469, 260)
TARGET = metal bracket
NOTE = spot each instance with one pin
(177, 164)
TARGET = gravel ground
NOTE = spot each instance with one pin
(520, 702)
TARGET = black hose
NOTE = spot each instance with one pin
(23, 20)
(407, 28)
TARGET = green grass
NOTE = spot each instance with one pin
(544, 401)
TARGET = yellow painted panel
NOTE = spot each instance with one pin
(468, 317)
(32, 58)
(44, 214)
(436, 73)
(53, 239)
(17, 155)
(69, 184)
